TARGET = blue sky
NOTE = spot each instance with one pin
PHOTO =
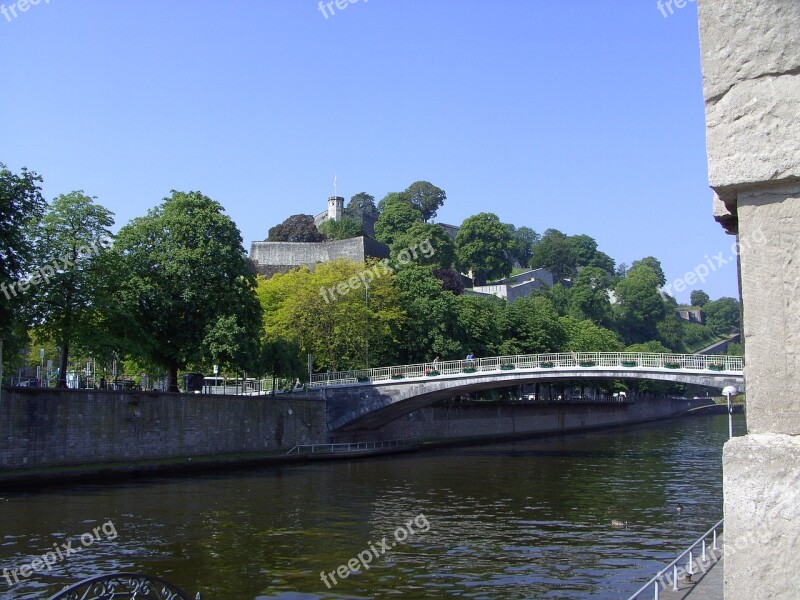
(578, 115)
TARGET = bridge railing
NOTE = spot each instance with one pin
(561, 360)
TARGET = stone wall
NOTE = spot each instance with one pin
(50, 428)
(751, 79)
(269, 258)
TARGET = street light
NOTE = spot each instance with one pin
(729, 391)
(366, 321)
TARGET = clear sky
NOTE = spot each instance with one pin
(578, 115)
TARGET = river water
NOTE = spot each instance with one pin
(529, 519)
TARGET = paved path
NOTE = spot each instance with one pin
(704, 586)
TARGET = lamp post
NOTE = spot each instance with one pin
(729, 391)
(366, 322)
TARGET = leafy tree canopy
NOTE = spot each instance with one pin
(585, 336)
(654, 264)
(69, 239)
(431, 244)
(699, 298)
(186, 294)
(555, 253)
(425, 197)
(483, 246)
(363, 202)
(341, 229)
(723, 315)
(396, 218)
(639, 306)
(522, 241)
(297, 228)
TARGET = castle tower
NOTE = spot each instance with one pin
(335, 208)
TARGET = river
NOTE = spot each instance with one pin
(529, 519)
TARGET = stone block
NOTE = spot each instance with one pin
(769, 222)
(762, 517)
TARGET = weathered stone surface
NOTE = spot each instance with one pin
(725, 214)
(769, 223)
(269, 258)
(751, 80)
(762, 517)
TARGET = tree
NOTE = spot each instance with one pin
(556, 253)
(342, 229)
(332, 314)
(654, 264)
(396, 217)
(432, 245)
(186, 294)
(585, 336)
(588, 298)
(639, 306)
(699, 298)
(483, 246)
(522, 242)
(432, 326)
(481, 321)
(531, 326)
(21, 204)
(72, 234)
(363, 203)
(297, 228)
(425, 197)
(723, 315)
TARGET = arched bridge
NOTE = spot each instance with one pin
(370, 398)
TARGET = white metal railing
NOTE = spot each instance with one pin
(345, 448)
(622, 360)
(657, 581)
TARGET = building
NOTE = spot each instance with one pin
(269, 258)
(516, 286)
(336, 212)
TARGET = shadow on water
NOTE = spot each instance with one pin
(528, 519)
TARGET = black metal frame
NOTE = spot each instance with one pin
(119, 586)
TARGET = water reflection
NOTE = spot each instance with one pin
(529, 519)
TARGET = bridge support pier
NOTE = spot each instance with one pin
(751, 79)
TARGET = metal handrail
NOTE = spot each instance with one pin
(351, 446)
(655, 581)
(628, 360)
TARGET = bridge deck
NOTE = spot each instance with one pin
(618, 362)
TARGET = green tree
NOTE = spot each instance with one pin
(723, 315)
(342, 229)
(588, 298)
(522, 242)
(586, 336)
(184, 279)
(332, 314)
(21, 204)
(430, 242)
(297, 228)
(425, 197)
(531, 326)
(72, 234)
(481, 321)
(483, 246)
(655, 265)
(432, 326)
(639, 306)
(556, 253)
(652, 347)
(396, 217)
(699, 298)
(363, 203)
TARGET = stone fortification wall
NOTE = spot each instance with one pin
(269, 258)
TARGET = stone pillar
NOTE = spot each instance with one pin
(751, 83)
